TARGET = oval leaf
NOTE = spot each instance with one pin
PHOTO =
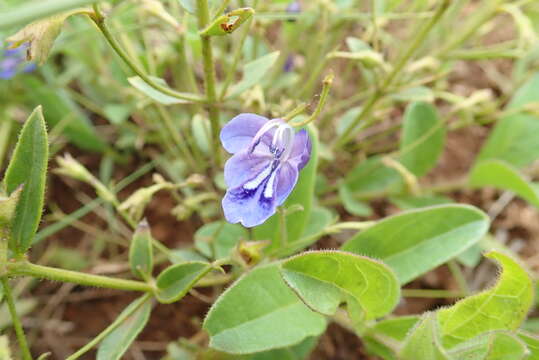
(514, 138)
(28, 167)
(175, 281)
(416, 241)
(423, 137)
(324, 279)
(258, 313)
(115, 344)
(502, 307)
(503, 176)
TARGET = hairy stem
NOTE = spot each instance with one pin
(21, 338)
(45, 272)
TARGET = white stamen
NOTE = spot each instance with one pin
(253, 184)
(268, 191)
(263, 130)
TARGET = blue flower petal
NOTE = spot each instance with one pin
(238, 133)
(251, 207)
(287, 178)
(301, 152)
(243, 166)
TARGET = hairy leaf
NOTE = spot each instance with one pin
(502, 307)
(324, 279)
(28, 167)
(416, 241)
(260, 312)
(176, 280)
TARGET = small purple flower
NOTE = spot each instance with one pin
(289, 64)
(12, 61)
(267, 157)
(294, 7)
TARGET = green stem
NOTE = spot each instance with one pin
(427, 293)
(45, 272)
(99, 20)
(21, 338)
(328, 80)
(401, 62)
(203, 15)
(119, 320)
(459, 277)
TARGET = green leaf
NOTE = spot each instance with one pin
(514, 137)
(228, 23)
(353, 206)
(154, 94)
(416, 241)
(115, 344)
(60, 109)
(370, 177)
(491, 346)
(503, 176)
(423, 341)
(324, 279)
(260, 312)
(502, 307)
(141, 251)
(532, 343)
(297, 352)
(41, 35)
(254, 72)
(418, 93)
(409, 202)
(423, 137)
(219, 237)
(28, 167)
(176, 280)
(302, 196)
(390, 331)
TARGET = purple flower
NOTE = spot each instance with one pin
(264, 169)
(294, 7)
(12, 61)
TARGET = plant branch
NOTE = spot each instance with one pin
(21, 338)
(28, 269)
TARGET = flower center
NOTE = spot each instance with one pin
(282, 142)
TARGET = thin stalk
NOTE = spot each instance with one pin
(46, 272)
(99, 20)
(328, 80)
(21, 338)
(401, 62)
(427, 293)
(119, 320)
(283, 241)
(203, 15)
